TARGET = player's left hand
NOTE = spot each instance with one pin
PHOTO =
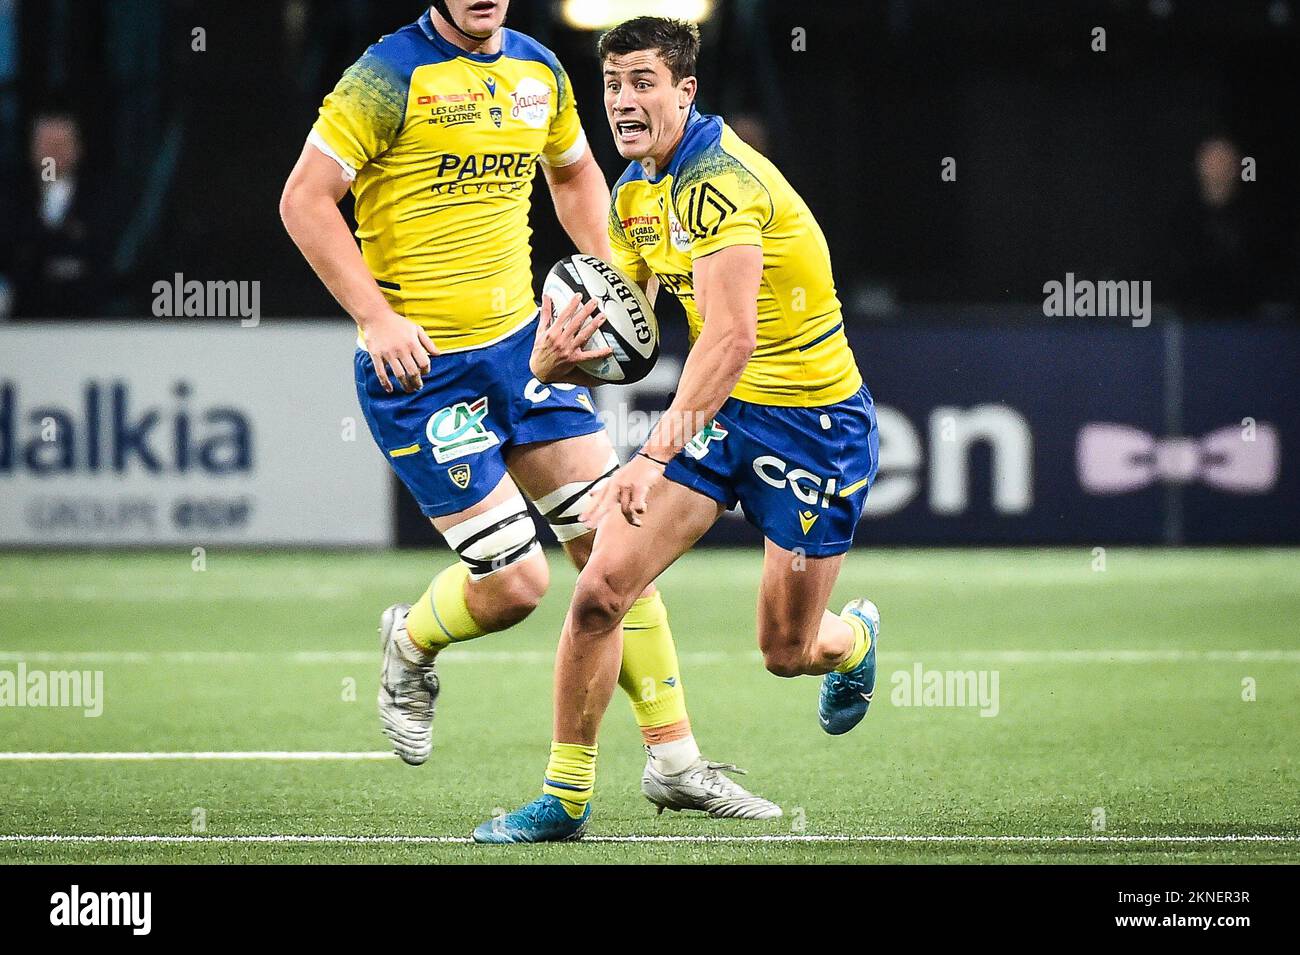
(560, 344)
(626, 489)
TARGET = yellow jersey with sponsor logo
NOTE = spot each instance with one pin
(442, 146)
(719, 192)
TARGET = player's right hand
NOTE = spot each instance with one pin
(560, 344)
(400, 348)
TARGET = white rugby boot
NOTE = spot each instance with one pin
(408, 692)
(703, 786)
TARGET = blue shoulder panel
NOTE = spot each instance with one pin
(703, 135)
(519, 46)
(410, 47)
(701, 156)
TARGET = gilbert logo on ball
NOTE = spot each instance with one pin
(630, 330)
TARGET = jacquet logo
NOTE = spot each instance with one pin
(74, 907)
(531, 102)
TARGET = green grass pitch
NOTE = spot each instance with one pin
(1123, 711)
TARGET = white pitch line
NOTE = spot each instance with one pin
(462, 840)
(265, 755)
(689, 658)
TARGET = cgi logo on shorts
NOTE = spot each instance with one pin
(459, 430)
(772, 470)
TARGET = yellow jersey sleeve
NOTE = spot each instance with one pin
(565, 141)
(722, 205)
(363, 115)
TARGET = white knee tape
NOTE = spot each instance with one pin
(492, 541)
(562, 506)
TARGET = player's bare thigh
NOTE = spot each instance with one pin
(794, 632)
(625, 560)
(542, 468)
(507, 596)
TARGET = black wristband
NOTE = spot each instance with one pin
(662, 464)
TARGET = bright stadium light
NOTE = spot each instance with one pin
(603, 14)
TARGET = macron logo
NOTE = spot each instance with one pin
(103, 908)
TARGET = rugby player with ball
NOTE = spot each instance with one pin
(790, 428)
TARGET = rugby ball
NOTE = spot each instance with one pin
(630, 328)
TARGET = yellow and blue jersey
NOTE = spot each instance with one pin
(719, 192)
(442, 146)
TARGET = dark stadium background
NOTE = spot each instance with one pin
(1067, 160)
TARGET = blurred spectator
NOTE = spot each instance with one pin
(752, 130)
(55, 262)
(1219, 263)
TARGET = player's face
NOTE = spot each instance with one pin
(646, 109)
(479, 17)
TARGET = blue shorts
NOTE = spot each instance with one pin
(801, 475)
(447, 441)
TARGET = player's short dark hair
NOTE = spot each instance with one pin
(676, 41)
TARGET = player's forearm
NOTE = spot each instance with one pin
(322, 235)
(726, 293)
(581, 200)
(713, 368)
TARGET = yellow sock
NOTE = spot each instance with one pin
(441, 615)
(571, 776)
(649, 675)
(861, 643)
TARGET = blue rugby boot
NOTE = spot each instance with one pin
(845, 696)
(542, 820)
